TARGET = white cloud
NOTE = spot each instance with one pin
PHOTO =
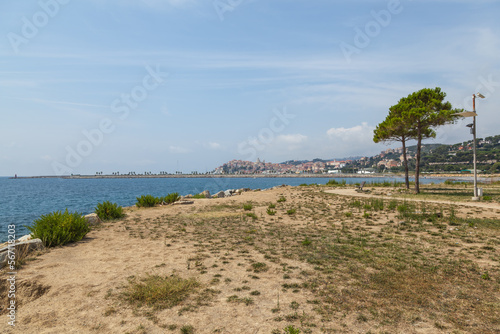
(213, 145)
(292, 139)
(358, 134)
(357, 140)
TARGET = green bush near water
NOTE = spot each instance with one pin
(147, 201)
(59, 228)
(334, 182)
(171, 198)
(107, 210)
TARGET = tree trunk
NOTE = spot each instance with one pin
(417, 166)
(405, 163)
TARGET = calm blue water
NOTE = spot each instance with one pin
(24, 200)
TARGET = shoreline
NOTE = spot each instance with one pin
(219, 244)
(199, 176)
(253, 176)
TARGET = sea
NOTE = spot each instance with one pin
(24, 200)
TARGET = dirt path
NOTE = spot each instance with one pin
(388, 195)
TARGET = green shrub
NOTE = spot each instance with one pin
(252, 215)
(377, 204)
(333, 182)
(247, 207)
(59, 228)
(147, 201)
(259, 267)
(386, 184)
(107, 210)
(355, 204)
(271, 212)
(171, 198)
(291, 211)
(282, 199)
(306, 242)
(403, 208)
(291, 330)
(272, 206)
(392, 205)
(187, 329)
(199, 196)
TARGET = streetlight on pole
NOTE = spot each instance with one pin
(476, 195)
(473, 130)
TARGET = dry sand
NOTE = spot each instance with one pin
(77, 288)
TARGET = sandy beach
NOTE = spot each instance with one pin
(324, 262)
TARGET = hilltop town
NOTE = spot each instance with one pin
(454, 158)
(361, 165)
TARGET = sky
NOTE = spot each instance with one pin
(187, 85)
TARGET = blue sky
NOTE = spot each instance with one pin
(108, 85)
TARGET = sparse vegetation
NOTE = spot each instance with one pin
(334, 182)
(306, 242)
(431, 263)
(160, 292)
(252, 215)
(187, 329)
(259, 267)
(291, 330)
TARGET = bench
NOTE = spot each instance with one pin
(360, 188)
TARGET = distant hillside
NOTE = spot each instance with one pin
(457, 157)
(300, 162)
(426, 148)
(435, 158)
